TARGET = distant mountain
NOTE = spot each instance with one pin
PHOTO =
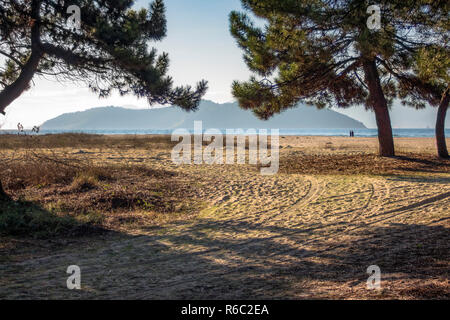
(213, 115)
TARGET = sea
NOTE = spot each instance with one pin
(407, 133)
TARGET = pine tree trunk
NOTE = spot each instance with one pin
(440, 126)
(2, 192)
(380, 107)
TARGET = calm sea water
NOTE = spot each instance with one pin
(287, 132)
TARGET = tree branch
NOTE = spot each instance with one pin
(14, 90)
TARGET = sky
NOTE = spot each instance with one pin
(200, 47)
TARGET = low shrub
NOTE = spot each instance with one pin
(26, 219)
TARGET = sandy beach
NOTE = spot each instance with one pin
(152, 230)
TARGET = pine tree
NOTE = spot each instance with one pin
(427, 80)
(440, 125)
(110, 51)
(325, 54)
(433, 69)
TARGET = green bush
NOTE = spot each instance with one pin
(26, 219)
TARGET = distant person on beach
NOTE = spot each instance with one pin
(19, 128)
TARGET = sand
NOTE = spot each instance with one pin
(303, 233)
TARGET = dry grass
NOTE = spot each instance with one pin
(31, 171)
(78, 140)
(84, 181)
(112, 196)
(91, 141)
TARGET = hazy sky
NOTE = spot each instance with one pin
(200, 47)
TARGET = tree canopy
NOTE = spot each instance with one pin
(323, 53)
(110, 51)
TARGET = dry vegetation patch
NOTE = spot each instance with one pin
(54, 186)
(82, 140)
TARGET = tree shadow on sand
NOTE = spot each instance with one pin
(193, 262)
(289, 263)
(420, 179)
